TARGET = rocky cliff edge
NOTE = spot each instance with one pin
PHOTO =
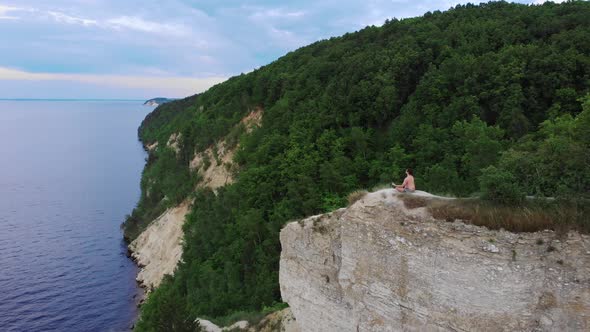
(379, 266)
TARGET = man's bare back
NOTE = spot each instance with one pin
(408, 185)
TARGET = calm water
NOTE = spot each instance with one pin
(69, 173)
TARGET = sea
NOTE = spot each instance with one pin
(69, 174)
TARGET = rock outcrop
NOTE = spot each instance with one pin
(157, 101)
(379, 266)
(215, 164)
(158, 249)
(174, 142)
(278, 321)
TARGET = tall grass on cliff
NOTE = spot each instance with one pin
(530, 215)
(449, 94)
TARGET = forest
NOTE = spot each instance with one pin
(488, 100)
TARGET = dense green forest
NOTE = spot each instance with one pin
(491, 97)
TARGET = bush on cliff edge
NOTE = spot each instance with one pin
(500, 186)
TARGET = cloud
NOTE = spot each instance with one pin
(139, 24)
(6, 9)
(64, 18)
(177, 86)
(259, 13)
(283, 28)
(115, 23)
(146, 42)
(286, 38)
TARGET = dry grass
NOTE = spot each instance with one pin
(528, 217)
(414, 202)
(492, 217)
(356, 195)
(318, 226)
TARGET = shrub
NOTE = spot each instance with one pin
(500, 186)
(331, 202)
(354, 196)
(165, 310)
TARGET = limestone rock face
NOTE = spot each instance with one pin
(158, 249)
(278, 321)
(378, 266)
(174, 141)
(215, 164)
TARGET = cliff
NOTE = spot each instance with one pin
(158, 249)
(480, 98)
(379, 266)
(157, 101)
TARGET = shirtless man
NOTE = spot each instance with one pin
(408, 186)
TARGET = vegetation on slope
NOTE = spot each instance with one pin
(478, 97)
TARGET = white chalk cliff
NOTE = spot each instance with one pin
(379, 266)
(158, 249)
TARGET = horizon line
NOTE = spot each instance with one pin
(75, 99)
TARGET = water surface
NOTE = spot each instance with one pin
(69, 173)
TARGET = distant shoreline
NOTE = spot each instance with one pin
(57, 99)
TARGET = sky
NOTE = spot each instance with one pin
(139, 49)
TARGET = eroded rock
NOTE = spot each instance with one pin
(378, 266)
(158, 249)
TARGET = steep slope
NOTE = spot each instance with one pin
(379, 266)
(478, 97)
(158, 249)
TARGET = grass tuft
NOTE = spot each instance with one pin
(356, 195)
(413, 202)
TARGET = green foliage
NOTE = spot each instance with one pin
(332, 202)
(478, 95)
(500, 186)
(162, 312)
(165, 182)
(276, 306)
(555, 160)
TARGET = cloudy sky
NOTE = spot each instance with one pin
(146, 48)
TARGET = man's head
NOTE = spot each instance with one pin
(409, 172)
